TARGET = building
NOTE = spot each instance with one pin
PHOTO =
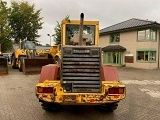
(132, 43)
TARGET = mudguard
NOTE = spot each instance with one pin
(49, 72)
(109, 73)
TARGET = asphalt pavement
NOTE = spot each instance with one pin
(142, 102)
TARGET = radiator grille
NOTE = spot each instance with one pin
(81, 69)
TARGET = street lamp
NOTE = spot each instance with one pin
(50, 37)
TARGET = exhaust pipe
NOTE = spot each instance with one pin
(81, 29)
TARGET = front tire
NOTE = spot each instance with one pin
(13, 62)
(20, 64)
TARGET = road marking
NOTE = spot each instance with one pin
(153, 93)
(141, 82)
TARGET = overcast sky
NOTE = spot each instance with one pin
(107, 12)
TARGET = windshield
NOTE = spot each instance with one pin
(28, 45)
(72, 34)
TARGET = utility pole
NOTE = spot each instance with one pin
(50, 37)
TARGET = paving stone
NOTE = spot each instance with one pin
(18, 100)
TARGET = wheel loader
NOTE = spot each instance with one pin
(29, 60)
(3, 64)
(80, 78)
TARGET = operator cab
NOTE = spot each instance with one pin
(71, 30)
(29, 45)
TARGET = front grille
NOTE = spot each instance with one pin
(81, 69)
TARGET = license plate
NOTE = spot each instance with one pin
(81, 51)
(69, 98)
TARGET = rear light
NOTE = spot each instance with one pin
(115, 90)
(45, 89)
(92, 100)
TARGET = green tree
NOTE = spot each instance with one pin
(5, 38)
(57, 35)
(57, 29)
(25, 21)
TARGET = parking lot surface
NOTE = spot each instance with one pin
(142, 102)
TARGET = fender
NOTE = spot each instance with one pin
(49, 72)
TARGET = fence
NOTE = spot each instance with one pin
(8, 56)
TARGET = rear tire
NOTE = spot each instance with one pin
(20, 60)
(20, 69)
(50, 107)
(13, 62)
(109, 107)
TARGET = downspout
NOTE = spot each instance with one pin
(0, 50)
(158, 47)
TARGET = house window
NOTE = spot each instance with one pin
(148, 34)
(146, 56)
(112, 58)
(153, 34)
(115, 37)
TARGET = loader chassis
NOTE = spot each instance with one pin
(53, 93)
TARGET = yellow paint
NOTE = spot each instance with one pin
(81, 98)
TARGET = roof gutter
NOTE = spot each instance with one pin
(158, 48)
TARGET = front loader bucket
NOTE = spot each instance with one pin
(3, 66)
(33, 66)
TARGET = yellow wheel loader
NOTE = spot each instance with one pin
(29, 60)
(3, 64)
(80, 78)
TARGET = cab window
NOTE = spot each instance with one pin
(29, 45)
(72, 34)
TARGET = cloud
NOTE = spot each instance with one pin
(106, 12)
